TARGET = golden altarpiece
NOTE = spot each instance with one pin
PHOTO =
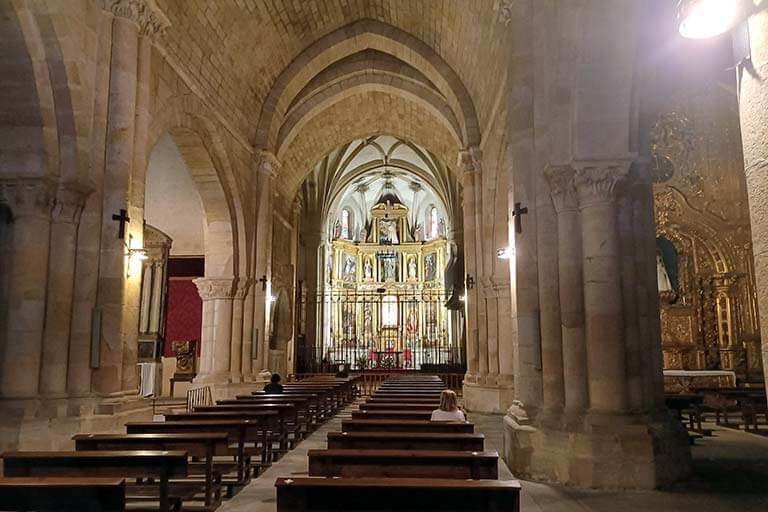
(386, 298)
(709, 318)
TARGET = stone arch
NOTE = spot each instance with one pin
(206, 160)
(350, 39)
(425, 98)
(34, 147)
(385, 114)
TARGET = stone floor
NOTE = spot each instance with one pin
(731, 474)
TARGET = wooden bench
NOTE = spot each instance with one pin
(395, 400)
(406, 441)
(391, 414)
(292, 423)
(54, 494)
(202, 445)
(406, 406)
(239, 432)
(403, 463)
(140, 464)
(396, 494)
(455, 427)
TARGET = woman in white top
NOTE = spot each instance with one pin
(449, 408)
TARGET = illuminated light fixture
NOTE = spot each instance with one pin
(701, 19)
(505, 252)
(463, 298)
(136, 255)
(272, 299)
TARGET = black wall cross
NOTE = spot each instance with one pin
(518, 213)
(123, 220)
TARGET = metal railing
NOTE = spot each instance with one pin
(199, 397)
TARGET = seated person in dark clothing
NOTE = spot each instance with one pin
(341, 374)
(274, 385)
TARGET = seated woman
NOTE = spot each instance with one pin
(449, 408)
(274, 385)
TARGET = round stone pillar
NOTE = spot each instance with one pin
(30, 201)
(236, 350)
(68, 206)
(570, 287)
(217, 295)
(596, 183)
(469, 164)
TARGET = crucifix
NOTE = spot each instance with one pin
(123, 220)
(263, 280)
(518, 213)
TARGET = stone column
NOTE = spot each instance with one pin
(236, 351)
(570, 288)
(470, 177)
(267, 169)
(246, 363)
(68, 206)
(217, 295)
(553, 387)
(113, 283)
(753, 97)
(30, 201)
(596, 183)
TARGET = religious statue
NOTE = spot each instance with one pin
(390, 269)
(367, 323)
(368, 268)
(667, 293)
(349, 268)
(430, 266)
(412, 324)
(337, 230)
(363, 234)
(413, 270)
(388, 232)
(329, 267)
(441, 227)
(418, 233)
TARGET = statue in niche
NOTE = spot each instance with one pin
(666, 270)
(363, 234)
(413, 270)
(348, 273)
(337, 230)
(367, 324)
(412, 324)
(430, 266)
(388, 232)
(441, 227)
(390, 269)
(368, 268)
(418, 233)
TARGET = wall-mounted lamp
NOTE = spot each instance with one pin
(263, 280)
(701, 19)
(272, 299)
(469, 282)
(463, 298)
(505, 252)
(136, 255)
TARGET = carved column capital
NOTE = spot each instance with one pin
(241, 287)
(596, 180)
(562, 186)
(28, 197)
(212, 288)
(470, 160)
(69, 202)
(144, 13)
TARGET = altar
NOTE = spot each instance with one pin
(385, 359)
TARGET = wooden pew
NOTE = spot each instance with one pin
(391, 401)
(406, 406)
(239, 432)
(305, 412)
(403, 463)
(291, 422)
(54, 494)
(396, 494)
(202, 445)
(271, 425)
(140, 464)
(455, 427)
(316, 405)
(391, 414)
(406, 441)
